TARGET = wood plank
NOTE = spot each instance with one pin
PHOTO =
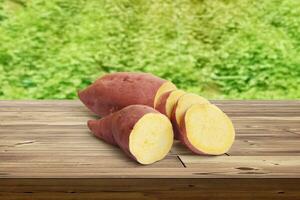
(265, 108)
(253, 145)
(77, 162)
(266, 122)
(149, 189)
(57, 119)
(38, 114)
(46, 151)
(231, 107)
(230, 165)
(265, 145)
(42, 106)
(44, 128)
(88, 138)
(130, 173)
(241, 125)
(36, 134)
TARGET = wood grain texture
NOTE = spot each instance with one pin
(46, 150)
(227, 189)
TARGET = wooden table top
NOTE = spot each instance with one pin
(50, 139)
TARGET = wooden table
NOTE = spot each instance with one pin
(47, 152)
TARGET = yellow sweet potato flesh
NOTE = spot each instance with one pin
(186, 101)
(165, 87)
(151, 138)
(208, 129)
(171, 101)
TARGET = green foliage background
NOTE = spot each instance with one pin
(233, 49)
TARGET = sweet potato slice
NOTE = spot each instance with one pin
(167, 102)
(205, 129)
(115, 91)
(165, 87)
(141, 132)
(183, 103)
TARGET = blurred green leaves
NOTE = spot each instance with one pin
(238, 49)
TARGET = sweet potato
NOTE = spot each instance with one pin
(141, 132)
(205, 129)
(183, 103)
(167, 102)
(115, 91)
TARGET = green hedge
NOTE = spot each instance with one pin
(221, 49)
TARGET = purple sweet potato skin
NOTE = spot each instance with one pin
(112, 92)
(116, 128)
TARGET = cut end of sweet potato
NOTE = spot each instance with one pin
(165, 87)
(151, 138)
(208, 129)
(186, 101)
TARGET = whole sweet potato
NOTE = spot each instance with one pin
(115, 91)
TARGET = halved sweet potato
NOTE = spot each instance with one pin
(183, 103)
(115, 91)
(141, 132)
(167, 102)
(205, 129)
